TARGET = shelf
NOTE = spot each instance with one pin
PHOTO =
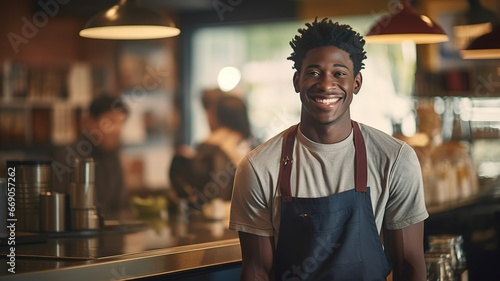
(38, 124)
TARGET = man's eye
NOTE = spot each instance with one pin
(339, 74)
(313, 73)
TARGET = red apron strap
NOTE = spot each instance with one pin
(361, 172)
(286, 164)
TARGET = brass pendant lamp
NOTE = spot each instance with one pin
(129, 20)
(405, 24)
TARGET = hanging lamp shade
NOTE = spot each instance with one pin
(476, 14)
(129, 20)
(486, 46)
(405, 24)
(474, 22)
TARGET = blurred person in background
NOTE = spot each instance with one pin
(99, 139)
(208, 173)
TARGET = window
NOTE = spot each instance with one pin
(259, 51)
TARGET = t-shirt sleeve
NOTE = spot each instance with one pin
(250, 207)
(406, 204)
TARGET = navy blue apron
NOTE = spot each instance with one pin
(328, 238)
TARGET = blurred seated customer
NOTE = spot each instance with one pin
(208, 173)
(180, 165)
(100, 139)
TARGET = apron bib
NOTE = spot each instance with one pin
(328, 238)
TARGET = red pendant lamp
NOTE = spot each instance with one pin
(405, 24)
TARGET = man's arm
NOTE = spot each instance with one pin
(406, 252)
(257, 254)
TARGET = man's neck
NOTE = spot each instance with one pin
(327, 133)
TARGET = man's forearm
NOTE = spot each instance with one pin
(257, 257)
(409, 272)
(254, 274)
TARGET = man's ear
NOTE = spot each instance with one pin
(358, 81)
(296, 79)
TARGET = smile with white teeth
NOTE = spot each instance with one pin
(326, 101)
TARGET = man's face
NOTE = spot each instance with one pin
(326, 83)
(110, 125)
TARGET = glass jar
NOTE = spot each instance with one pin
(452, 245)
(438, 267)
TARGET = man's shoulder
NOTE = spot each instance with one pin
(381, 143)
(267, 151)
(377, 136)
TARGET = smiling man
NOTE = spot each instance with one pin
(329, 199)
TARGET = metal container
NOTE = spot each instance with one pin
(84, 219)
(81, 190)
(32, 171)
(52, 212)
(32, 178)
(82, 195)
(83, 170)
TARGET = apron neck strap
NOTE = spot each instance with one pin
(360, 162)
(286, 161)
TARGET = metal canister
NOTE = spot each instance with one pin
(52, 212)
(83, 170)
(81, 190)
(33, 177)
(82, 195)
(84, 219)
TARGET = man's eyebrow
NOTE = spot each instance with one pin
(335, 65)
(340, 65)
(312, 66)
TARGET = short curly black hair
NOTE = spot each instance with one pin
(327, 33)
(105, 103)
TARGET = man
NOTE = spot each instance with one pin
(317, 201)
(100, 139)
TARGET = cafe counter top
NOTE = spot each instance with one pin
(124, 250)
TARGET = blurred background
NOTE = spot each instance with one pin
(446, 107)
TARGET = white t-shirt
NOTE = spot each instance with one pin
(394, 178)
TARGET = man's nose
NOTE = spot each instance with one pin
(327, 83)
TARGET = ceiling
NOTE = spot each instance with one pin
(181, 5)
(87, 8)
(191, 12)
